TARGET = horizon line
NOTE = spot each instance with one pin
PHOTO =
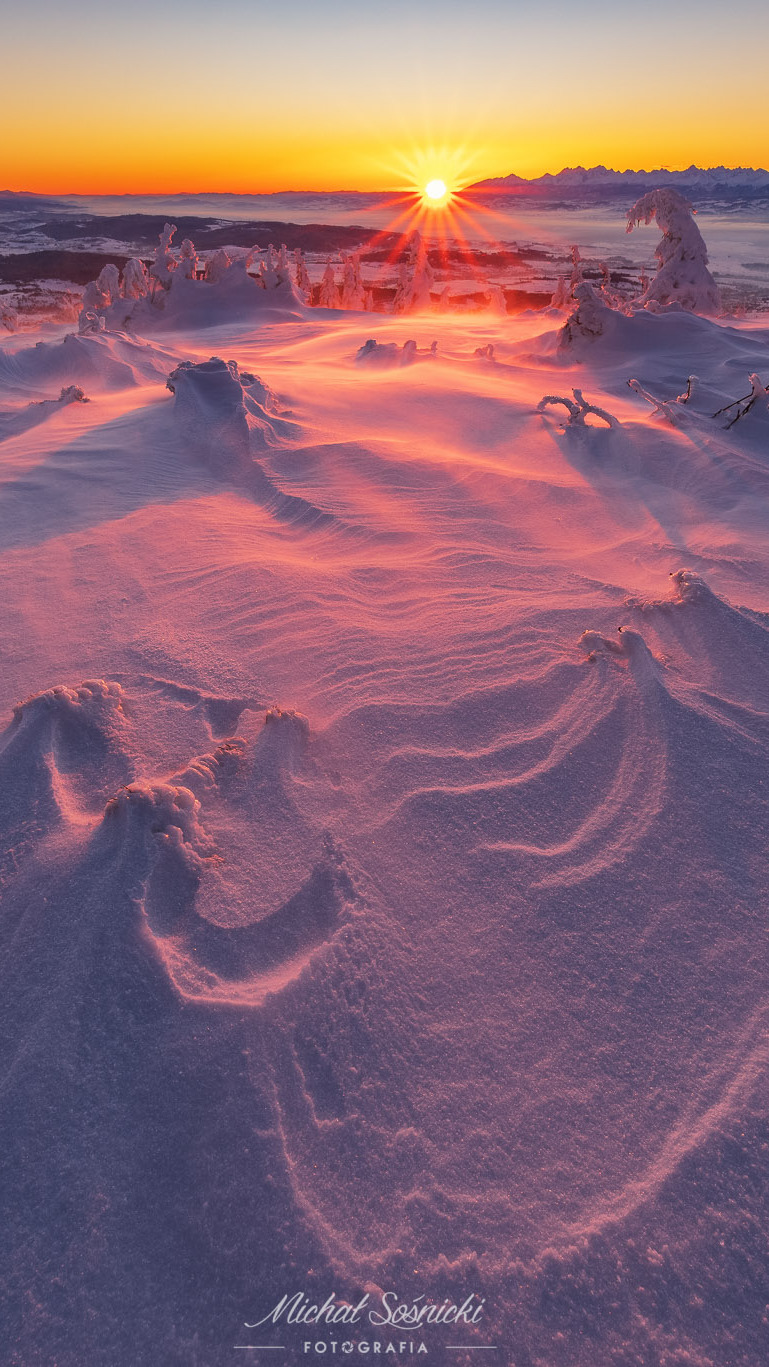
(349, 190)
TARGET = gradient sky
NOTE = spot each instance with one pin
(250, 97)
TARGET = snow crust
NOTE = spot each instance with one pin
(386, 908)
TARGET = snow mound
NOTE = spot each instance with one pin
(730, 643)
(282, 743)
(224, 412)
(629, 646)
(385, 355)
(173, 296)
(146, 820)
(96, 363)
(64, 750)
(235, 296)
(215, 768)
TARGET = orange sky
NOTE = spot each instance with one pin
(328, 97)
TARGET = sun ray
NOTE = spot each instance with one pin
(431, 193)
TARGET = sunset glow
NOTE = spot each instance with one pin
(238, 106)
(436, 190)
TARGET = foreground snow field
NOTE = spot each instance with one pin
(375, 913)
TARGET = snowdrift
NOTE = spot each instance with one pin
(386, 908)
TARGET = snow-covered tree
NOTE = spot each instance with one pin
(303, 282)
(495, 299)
(577, 272)
(683, 277)
(108, 282)
(188, 259)
(135, 284)
(95, 299)
(561, 294)
(416, 279)
(329, 298)
(400, 302)
(422, 278)
(353, 293)
(165, 261)
(217, 265)
(269, 272)
(589, 319)
(611, 296)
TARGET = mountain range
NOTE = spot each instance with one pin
(719, 181)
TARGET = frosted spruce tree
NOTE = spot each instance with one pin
(188, 259)
(353, 293)
(165, 261)
(135, 281)
(329, 298)
(303, 283)
(682, 276)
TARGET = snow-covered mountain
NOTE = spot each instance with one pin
(715, 180)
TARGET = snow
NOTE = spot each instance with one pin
(385, 823)
(683, 278)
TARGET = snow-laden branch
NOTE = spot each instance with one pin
(666, 408)
(758, 390)
(578, 409)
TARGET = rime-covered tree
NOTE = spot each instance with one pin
(218, 265)
(108, 282)
(95, 299)
(561, 294)
(353, 293)
(589, 319)
(135, 284)
(682, 277)
(165, 261)
(416, 279)
(303, 282)
(270, 269)
(495, 300)
(400, 302)
(577, 271)
(328, 299)
(188, 259)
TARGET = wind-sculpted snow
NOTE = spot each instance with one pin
(94, 362)
(226, 410)
(387, 908)
(62, 750)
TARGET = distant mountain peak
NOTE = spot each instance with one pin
(713, 179)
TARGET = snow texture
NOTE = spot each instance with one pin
(385, 823)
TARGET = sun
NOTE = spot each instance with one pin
(436, 190)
